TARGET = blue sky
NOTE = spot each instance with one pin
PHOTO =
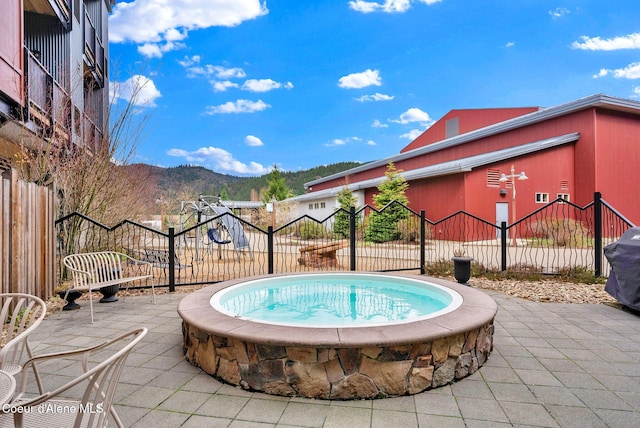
(240, 85)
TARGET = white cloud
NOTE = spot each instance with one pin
(187, 62)
(336, 142)
(360, 80)
(510, 44)
(631, 71)
(388, 6)
(240, 106)
(219, 76)
(195, 69)
(412, 135)
(603, 72)
(222, 85)
(559, 12)
(375, 97)
(632, 41)
(173, 41)
(174, 35)
(264, 85)
(138, 90)
(371, 143)
(377, 124)
(342, 141)
(414, 115)
(225, 73)
(218, 159)
(253, 141)
(166, 22)
(150, 50)
(636, 92)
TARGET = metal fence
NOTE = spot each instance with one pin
(558, 237)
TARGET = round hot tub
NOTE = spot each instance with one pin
(340, 335)
(335, 300)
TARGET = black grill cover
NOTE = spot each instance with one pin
(624, 278)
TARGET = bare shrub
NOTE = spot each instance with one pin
(561, 232)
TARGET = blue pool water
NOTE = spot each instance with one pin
(336, 300)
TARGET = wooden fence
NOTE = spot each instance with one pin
(27, 237)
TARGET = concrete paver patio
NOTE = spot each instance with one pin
(554, 365)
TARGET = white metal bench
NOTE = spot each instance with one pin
(92, 271)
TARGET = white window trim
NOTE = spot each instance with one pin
(542, 198)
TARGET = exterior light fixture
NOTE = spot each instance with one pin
(503, 178)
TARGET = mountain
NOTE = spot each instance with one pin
(187, 182)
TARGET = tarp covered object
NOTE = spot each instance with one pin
(233, 226)
(624, 278)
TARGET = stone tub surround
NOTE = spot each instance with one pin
(339, 363)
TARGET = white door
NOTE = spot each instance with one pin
(502, 214)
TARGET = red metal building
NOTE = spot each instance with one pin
(568, 151)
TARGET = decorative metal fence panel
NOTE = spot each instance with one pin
(613, 225)
(558, 237)
(209, 252)
(463, 234)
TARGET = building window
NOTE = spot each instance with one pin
(315, 205)
(542, 198)
(564, 185)
(322, 205)
(310, 206)
(564, 196)
(493, 178)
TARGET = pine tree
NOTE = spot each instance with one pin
(277, 188)
(383, 225)
(346, 200)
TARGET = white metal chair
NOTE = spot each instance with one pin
(95, 389)
(20, 315)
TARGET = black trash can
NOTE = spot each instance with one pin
(624, 278)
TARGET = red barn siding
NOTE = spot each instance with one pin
(617, 156)
(438, 196)
(605, 158)
(577, 122)
(545, 171)
(468, 120)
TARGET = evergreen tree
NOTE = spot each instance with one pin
(383, 225)
(277, 188)
(346, 200)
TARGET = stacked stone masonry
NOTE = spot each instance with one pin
(339, 373)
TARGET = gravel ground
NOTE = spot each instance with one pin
(546, 291)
